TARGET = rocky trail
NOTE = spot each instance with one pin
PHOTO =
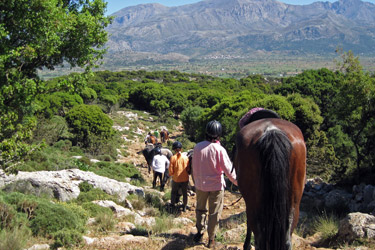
(232, 224)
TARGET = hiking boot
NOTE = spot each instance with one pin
(198, 237)
(211, 244)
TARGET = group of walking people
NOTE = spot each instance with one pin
(210, 161)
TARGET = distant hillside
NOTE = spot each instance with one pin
(241, 28)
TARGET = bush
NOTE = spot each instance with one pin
(89, 124)
(162, 224)
(7, 214)
(138, 202)
(15, 238)
(94, 209)
(85, 187)
(116, 171)
(105, 222)
(154, 200)
(94, 194)
(51, 218)
(67, 238)
(327, 225)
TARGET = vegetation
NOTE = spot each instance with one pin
(36, 35)
(44, 123)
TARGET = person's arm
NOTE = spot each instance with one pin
(153, 164)
(227, 167)
(171, 167)
(167, 163)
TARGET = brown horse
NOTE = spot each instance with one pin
(270, 162)
(164, 136)
(152, 139)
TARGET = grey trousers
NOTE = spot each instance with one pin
(215, 200)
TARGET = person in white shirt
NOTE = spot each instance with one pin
(159, 164)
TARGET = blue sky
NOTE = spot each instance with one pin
(115, 5)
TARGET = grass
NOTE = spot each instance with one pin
(105, 222)
(326, 225)
(162, 224)
(15, 238)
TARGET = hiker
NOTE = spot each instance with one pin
(178, 169)
(159, 164)
(210, 162)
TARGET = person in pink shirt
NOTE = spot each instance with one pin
(210, 163)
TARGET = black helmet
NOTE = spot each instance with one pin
(176, 144)
(213, 129)
(157, 151)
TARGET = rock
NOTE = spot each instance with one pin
(39, 247)
(64, 185)
(119, 240)
(235, 234)
(88, 240)
(367, 194)
(357, 225)
(337, 200)
(116, 209)
(182, 220)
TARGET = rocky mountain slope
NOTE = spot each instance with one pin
(243, 27)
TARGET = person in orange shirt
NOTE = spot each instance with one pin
(178, 169)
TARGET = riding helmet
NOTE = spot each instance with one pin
(157, 150)
(214, 129)
(176, 144)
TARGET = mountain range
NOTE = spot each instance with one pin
(243, 27)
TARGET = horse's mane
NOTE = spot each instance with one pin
(257, 114)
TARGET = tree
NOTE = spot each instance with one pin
(38, 35)
(190, 118)
(88, 122)
(355, 109)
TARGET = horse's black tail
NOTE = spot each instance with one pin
(274, 152)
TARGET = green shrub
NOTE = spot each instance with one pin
(7, 214)
(88, 122)
(14, 239)
(138, 202)
(105, 222)
(116, 171)
(53, 217)
(327, 225)
(49, 158)
(94, 194)
(154, 200)
(85, 186)
(94, 209)
(162, 224)
(104, 158)
(67, 238)
(81, 165)
(64, 145)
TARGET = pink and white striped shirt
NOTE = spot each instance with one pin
(210, 161)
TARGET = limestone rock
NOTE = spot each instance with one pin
(64, 185)
(357, 225)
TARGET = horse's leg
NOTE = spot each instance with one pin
(290, 229)
(247, 244)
